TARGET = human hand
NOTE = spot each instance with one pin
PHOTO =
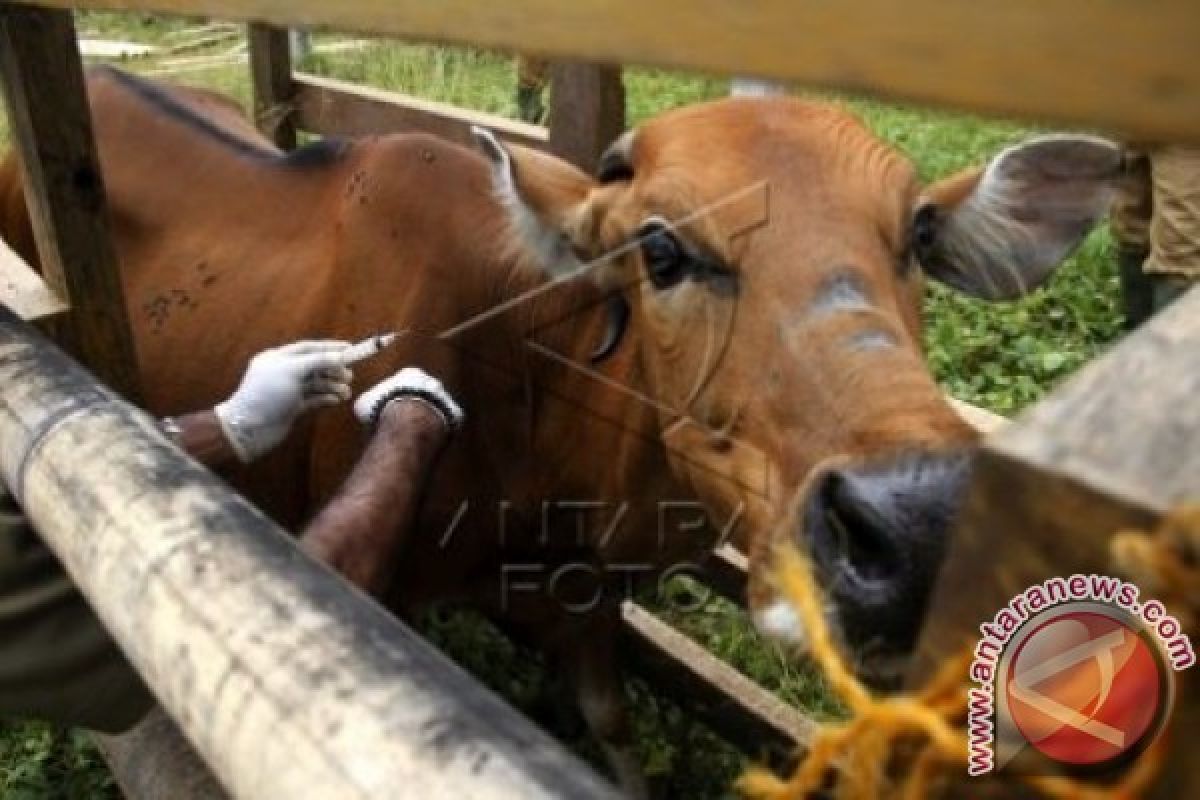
(279, 385)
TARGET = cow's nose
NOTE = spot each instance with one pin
(877, 533)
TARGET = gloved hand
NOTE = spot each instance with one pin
(279, 385)
(408, 382)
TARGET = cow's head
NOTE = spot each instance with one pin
(770, 254)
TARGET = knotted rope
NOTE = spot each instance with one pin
(1165, 564)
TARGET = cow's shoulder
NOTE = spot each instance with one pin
(422, 160)
(414, 176)
(419, 195)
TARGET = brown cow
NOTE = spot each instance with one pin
(752, 270)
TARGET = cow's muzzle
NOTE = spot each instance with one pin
(877, 534)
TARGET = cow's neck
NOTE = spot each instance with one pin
(589, 433)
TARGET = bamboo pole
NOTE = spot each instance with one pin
(286, 681)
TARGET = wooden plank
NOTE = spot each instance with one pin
(204, 42)
(24, 291)
(587, 111)
(982, 420)
(1114, 448)
(201, 30)
(336, 108)
(288, 682)
(726, 571)
(274, 91)
(51, 123)
(733, 706)
(1123, 66)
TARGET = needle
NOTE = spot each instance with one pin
(367, 348)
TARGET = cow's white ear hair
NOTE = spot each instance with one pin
(502, 170)
(1030, 208)
(548, 245)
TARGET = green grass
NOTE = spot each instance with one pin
(43, 762)
(1002, 357)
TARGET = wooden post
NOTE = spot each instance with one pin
(48, 110)
(271, 73)
(300, 44)
(587, 111)
(1115, 448)
(288, 682)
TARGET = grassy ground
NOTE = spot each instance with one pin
(1001, 357)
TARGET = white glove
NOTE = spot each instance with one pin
(279, 385)
(408, 382)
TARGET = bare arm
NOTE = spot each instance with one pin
(360, 531)
(200, 436)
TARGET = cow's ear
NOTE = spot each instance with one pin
(998, 233)
(547, 200)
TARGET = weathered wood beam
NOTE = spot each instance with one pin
(1122, 66)
(982, 420)
(725, 572)
(287, 681)
(736, 708)
(1114, 448)
(51, 122)
(336, 108)
(274, 90)
(587, 111)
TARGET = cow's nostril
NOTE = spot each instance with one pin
(876, 533)
(859, 536)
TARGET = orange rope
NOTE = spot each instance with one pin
(1166, 563)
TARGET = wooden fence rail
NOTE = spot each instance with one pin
(1123, 66)
(335, 108)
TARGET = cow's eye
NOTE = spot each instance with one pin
(666, 260)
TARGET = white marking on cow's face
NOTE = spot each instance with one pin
(842, 292)
(871, 339)
(780, 621)
(549, 246)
